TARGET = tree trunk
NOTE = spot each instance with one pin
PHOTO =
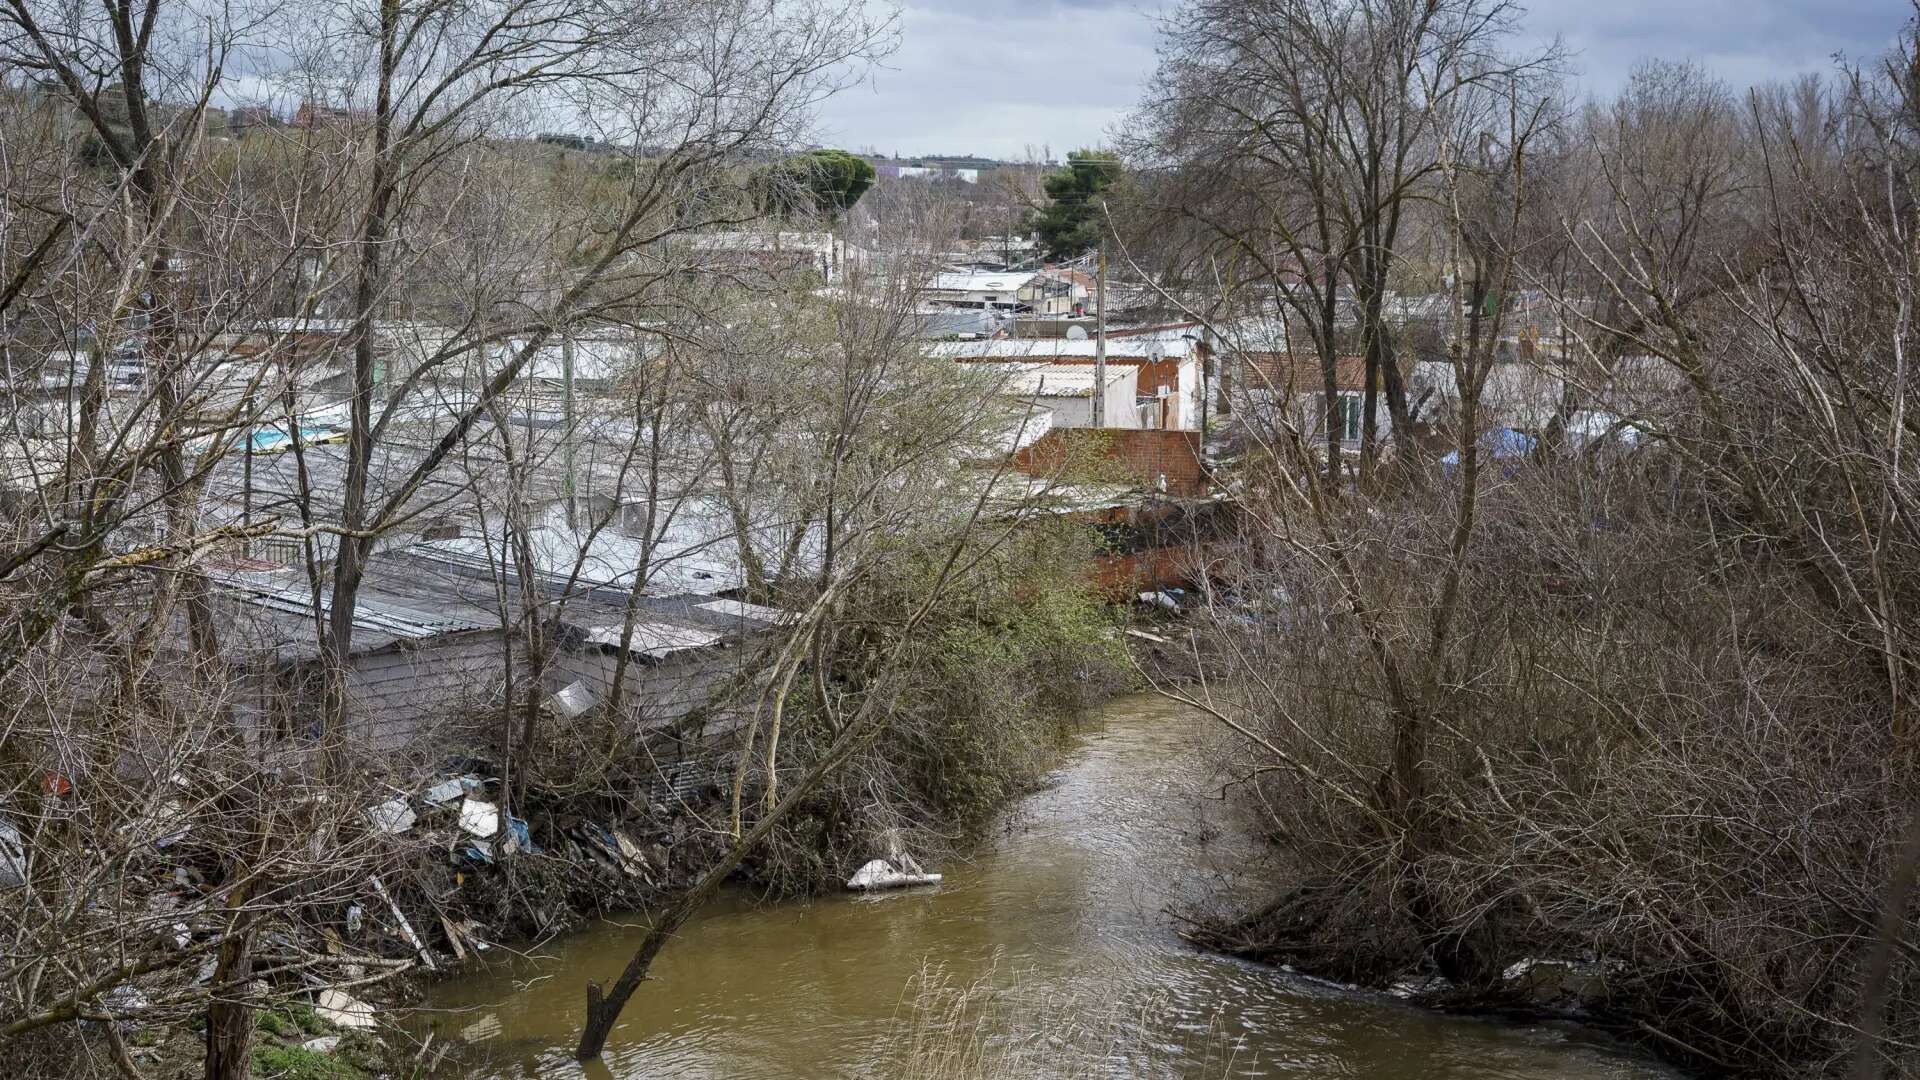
(229, 1016)
(351, 559)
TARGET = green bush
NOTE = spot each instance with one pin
(1005, 666)
(299, 1063)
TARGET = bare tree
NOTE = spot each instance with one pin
(1301, 141)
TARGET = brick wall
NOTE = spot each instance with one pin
(1139, 457)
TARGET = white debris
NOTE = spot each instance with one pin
(162, 828)
(392, 817)
(478, 818)
(325, 1044)
(881, 874)
(341, 1009)
(13, 857)
(572, 701)
(449, 790)
(1518, 968)
(406, 928)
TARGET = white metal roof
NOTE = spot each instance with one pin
(740, 609)
(656, 639)
(981, 281)
(1118, 348)
(1056, 380)
(815, 242)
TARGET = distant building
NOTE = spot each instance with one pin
(1163, 374)
(977, 289)
(1065, 393)
(967, 169)
(776, 254)
(251, 117)
(1292, 385)
(567, 141)
(1062, 291)
(312, 116)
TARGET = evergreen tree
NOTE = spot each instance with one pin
(1069, 226)
(826, 182)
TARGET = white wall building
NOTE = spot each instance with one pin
(977, 289)
(1066, 392)
(1164, 372)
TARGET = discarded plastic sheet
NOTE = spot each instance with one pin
(588, 846)
(479, 851)
(341, 1009)
(325, 1044)
(633, 860)
(124, 999)
(573, 700)
(392, 817)
(880, 874)
(449, 790)
(612, 849)
(13, 857)
(481, 819)
(602, 837)
(519, 837)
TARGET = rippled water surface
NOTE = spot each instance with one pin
(1064, 919)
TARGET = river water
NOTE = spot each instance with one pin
(1051, 954)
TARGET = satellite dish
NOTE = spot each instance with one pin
(1076, 333)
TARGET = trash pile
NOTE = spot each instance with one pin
(565, 866)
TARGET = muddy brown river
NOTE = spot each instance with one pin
(1051, 954)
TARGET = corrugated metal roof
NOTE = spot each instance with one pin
(1058, 380)
(381, 617)
(742, 609)
(656, 640)
(1133, 349)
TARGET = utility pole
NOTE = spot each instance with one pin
(566, 400)
(246, 481)
(1100, 338)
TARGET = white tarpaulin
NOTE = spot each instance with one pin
(880, 874)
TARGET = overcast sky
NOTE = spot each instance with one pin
(996, 77)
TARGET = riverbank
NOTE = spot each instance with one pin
(1330, 929)
(462, 882)
(1056, 933)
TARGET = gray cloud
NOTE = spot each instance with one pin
(1742, 41)
(997, 77)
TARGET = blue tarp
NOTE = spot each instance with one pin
(1499, 444)
(270, 440)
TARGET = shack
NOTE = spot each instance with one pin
(433, 644)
